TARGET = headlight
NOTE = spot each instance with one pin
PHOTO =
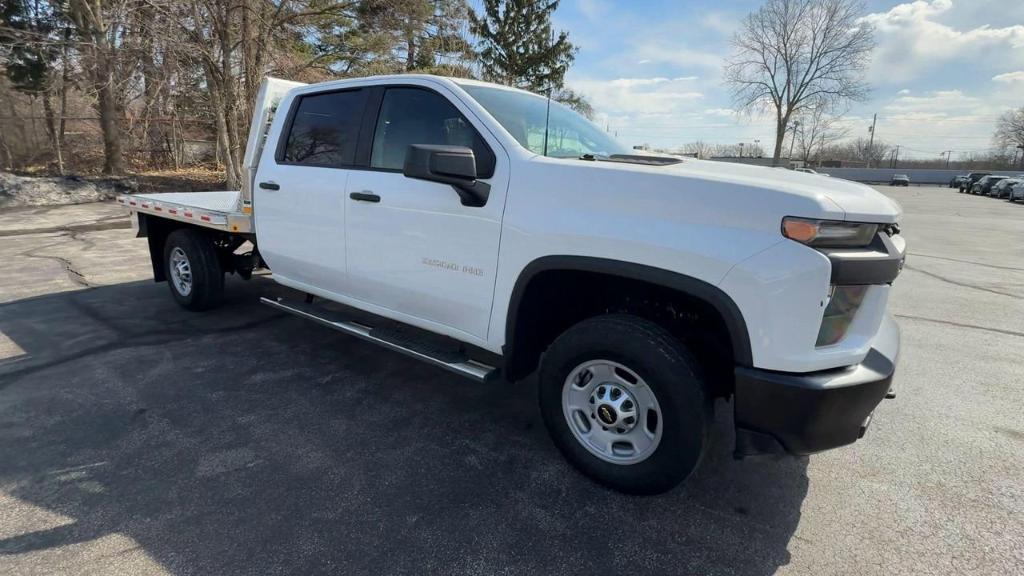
(828, 233)
(842, 307)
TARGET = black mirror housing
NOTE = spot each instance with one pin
(452, 165)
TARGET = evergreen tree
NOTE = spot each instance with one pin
(35, 36)
(393, 36)
(519, 48)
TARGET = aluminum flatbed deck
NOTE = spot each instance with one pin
(218, 210)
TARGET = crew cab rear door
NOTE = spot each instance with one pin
(299, 195)
(413, 247)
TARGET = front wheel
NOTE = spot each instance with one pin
(625, 403)
(193, 270)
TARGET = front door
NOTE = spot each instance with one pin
(417, 250)
(299, 194)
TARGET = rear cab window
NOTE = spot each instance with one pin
(323, 129)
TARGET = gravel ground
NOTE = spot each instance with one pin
(136, 438)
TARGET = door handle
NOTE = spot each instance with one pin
(269, 186)
(364, 196)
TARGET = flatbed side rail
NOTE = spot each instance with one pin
(226, 221)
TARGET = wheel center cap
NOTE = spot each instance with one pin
(607, 414)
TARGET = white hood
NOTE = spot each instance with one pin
(859, 202)
(845, 199)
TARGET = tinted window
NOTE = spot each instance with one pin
(325, 129)
(414, 116)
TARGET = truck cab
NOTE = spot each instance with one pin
(506, 235)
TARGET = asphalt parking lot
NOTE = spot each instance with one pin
(137, 438)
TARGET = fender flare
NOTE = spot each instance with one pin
(719, 300)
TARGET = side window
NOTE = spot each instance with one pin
(416, 116)
(325, 129)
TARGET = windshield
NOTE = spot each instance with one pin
(570, 135)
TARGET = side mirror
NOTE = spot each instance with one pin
(452, 165)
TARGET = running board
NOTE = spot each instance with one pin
(460, 365)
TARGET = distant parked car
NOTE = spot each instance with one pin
(1001, 189)
(809, 171)
(957, 181)
(971, 179)
(984, 185)
(899, 180)
(1017, 191)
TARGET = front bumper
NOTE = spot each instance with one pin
(782, 412)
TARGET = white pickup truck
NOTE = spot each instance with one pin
(493, 233)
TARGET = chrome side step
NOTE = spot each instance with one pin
(462, 366)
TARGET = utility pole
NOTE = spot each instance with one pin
(947, 153)
(871, 142)
(1021, 156)
(896, 156)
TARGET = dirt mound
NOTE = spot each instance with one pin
(16, 191)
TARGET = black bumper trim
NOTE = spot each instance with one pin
(879, 263)
(781, 412)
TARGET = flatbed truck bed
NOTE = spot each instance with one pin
(219, 210)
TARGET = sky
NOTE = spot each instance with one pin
(942, 71)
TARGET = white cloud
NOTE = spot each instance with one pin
(593, 9)
(721, 112)
(637, 82)
(676, 54)
(939, 101)
(639, 96)
(912, 43)
(904, 91)
(934, 121)
(1010, 77)
(720, 22)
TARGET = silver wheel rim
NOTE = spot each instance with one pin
(612, 412)
(181, 272)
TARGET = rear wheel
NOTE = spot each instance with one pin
(193, 270)
(625, 402)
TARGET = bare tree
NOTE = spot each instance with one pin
(870, 152)
(792, 56)
(1010, 131)
(100, 25)
(700, 148)
(816, 130)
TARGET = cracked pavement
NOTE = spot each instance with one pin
(137, 438)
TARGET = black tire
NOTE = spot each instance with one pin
(207, 285)
(668, 369)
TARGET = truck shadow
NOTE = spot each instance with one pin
(242, 441)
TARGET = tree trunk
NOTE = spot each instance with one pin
(6, 160)
(65, 82)
(151, 129)
(113, 163)
(410, 56)
(17, 134)
(780, 136)
(227, 113)
(52, 131)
